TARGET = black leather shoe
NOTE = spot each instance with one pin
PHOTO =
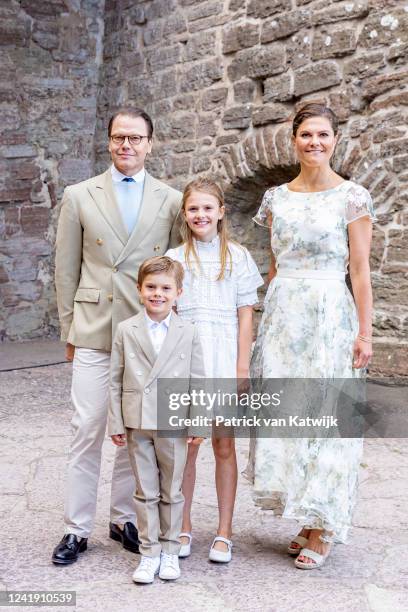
(68, 549)
(128, 536)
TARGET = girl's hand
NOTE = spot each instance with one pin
(119, 439)
(243, 380)
(194, 441)
(362, 353)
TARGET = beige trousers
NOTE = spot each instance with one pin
(90, 397)
(158, 464)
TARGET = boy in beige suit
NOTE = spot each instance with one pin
(154, 344)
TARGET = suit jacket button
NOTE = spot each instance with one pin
(157, 248)
(114, 269)
(147, 390)
(182, 356)
(110, 297)
(99, 241)
(131, 355)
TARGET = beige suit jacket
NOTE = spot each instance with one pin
(135, 370)
(97, 261)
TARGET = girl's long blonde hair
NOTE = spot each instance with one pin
(206, 185)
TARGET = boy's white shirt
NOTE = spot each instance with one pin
(157, 331)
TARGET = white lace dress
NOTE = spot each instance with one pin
(307, 331)
(212, 304)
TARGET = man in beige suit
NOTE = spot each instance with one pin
(108, 225)
(152, 347)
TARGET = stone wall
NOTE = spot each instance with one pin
(222, 79)
(50, 51)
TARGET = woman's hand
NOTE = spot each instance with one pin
(362, 353)
(119, 439)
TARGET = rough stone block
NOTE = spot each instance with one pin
(239, 36)
(19, 150)
(364, 65)
(394, 147)
(400, 164)
(201, 164)
(378, 85)
(174, 24)
(201, 75)
(159, 8)
(384, 28)
(161, 58)
(153, 34)
(340, 103)
(200, 45)
(74, 170)
(244, 91)
(258, 63)
(341, 11)
(35, 220)
(15, 195)
(206, 126)
(203, 9)
(270, 113)
(214, 98)
(237, 117)
(46, 34)
(334, 43)
(178, 165)
(320, 75)
(284, 25)
(265, 8)
(12, 33)
(279, 88)
(298, 49)
(208, 23)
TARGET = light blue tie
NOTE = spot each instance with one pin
(129, 195)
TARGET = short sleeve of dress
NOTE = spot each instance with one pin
(359, 204)
(248, 281)
(261, 217)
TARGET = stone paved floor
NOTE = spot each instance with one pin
(368, 575)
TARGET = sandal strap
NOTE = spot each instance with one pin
(312, 554)
(184, 534)
(221, 539)
(301, 540)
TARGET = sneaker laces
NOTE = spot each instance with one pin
(147, 563)
(170, 560)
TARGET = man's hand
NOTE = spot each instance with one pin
(69, 351)
(194, 441)
(119, 439)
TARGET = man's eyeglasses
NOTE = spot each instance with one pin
(133, 140)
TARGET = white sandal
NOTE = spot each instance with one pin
(219, 556)
(301, 540)
(317, 558)
(185, 550)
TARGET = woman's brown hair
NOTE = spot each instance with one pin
(206, 185)
(315, 109)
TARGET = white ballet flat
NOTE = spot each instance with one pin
(185, 550)
(219, 556)
(318, 559)
(301, 540)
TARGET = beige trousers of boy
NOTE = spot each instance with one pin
(158, 464)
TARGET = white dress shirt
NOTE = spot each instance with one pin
(157, 331)
(128, 195)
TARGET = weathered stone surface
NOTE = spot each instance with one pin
(200, 45)
(213, 98)
(239, 36)
(320, 75)
(363, 66)
(265, 8)
(257, 63)
(333, 43)
(279, 88)
(237, 117)
(270, 113)
(201, 75)
(340, 11)
(244, 91)
(284, 25)
(384, 28)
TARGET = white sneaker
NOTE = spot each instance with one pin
(185, 550)
(146, 570)
(169, 567)
(218, 555)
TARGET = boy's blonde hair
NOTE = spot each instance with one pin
(159, 265)
(206, 185)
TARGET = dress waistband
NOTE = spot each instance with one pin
(315, 274)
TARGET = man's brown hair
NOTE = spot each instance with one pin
(159, 265)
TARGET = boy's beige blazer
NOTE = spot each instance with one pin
(135, 370)
(97, 261)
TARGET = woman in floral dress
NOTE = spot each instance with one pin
(320, 225)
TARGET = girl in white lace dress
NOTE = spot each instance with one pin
(311, 328)
(219, 291)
